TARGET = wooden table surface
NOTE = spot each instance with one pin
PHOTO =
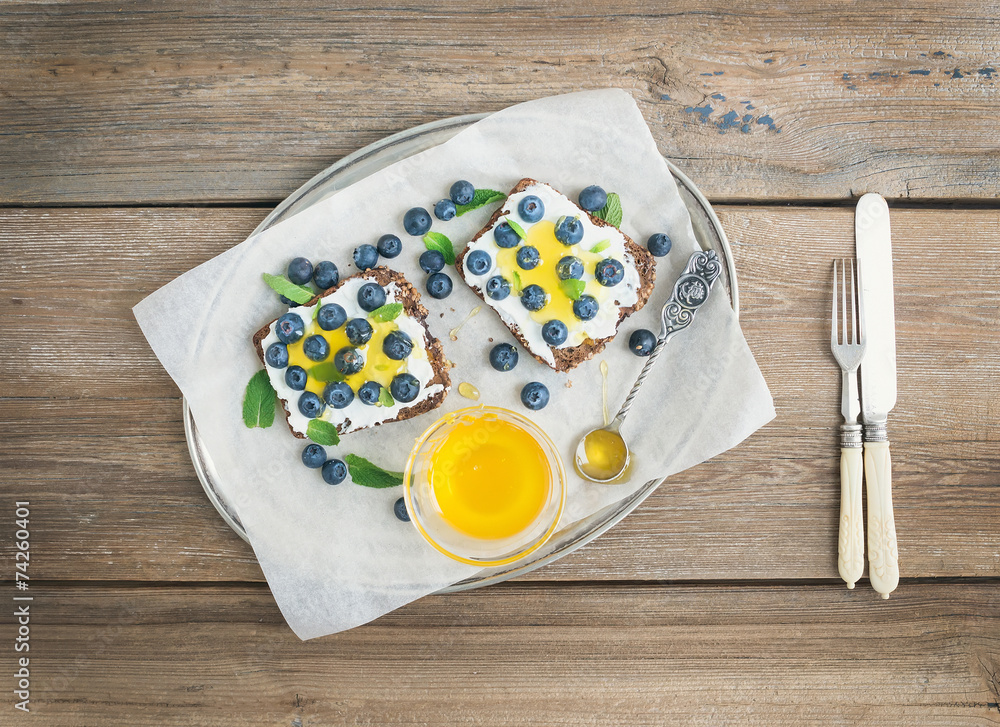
(138, 140)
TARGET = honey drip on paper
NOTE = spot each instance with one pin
(453, 333)
(468, 391)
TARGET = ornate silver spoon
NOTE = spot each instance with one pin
(602, 454)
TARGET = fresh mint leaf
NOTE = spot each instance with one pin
(441, 243)
(322, 432)
(387, 312)
(481, 198)
(601, 246)
(325, 372)
(517, 282)
(516, 228)
(319, 304)
(611, 212)
(573, 288)
(366, 474)
(283, 286)
(385, 397)
(258, 401)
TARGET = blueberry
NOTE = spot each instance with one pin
(289, 328)
(277, 355)
(300, 271)
(593, 198)
(432, 261)
(554, 332)
(659, 244)
(287, 301)
(295, 377)
(313, 456)
(504, 236)
(531, 208)
(397, 345)
(326, 275)
(503, 357)
(331, 317)
(371, 296)
(338, 395)
(497, 288)
(316, 348)
(311, 405)
(569, 230)
(445, 210)
(404, 388)
(478, 262)
(461, 192)
(533, 297)
(334, 471)
(585, 308)
(369, 392)
(348, 360)
(399, 508)
(417, 221)
(569, 268)
(642, 342)
(365, 257)
(528, 257)
(389, 246)
(535, 395)
(609, 272)
(439, 285)
(359, 331)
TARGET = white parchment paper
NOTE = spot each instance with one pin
(336, 557)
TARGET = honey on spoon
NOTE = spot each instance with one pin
(603, 455)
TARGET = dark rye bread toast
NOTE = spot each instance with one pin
(413, 308)
(570, 357)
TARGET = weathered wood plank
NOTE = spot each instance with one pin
(115, 495)
(99, 263)
(120, 501)
(110, 103)
(528, 655)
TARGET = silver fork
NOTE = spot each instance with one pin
(849, 350)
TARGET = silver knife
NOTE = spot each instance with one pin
(878, 385)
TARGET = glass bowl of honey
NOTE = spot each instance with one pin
(485, 486)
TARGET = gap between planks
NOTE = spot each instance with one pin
(911, 203)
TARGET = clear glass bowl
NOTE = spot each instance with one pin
(425, 512)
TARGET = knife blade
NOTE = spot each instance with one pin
(878, 384)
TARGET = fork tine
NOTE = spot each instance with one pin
(834, 341)
(843, 297)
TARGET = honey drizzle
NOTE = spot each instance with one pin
(453, 333)
(468, 391)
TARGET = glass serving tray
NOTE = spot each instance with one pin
(354, 167)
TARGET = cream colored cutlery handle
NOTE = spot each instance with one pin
(883, 557)
(852, 537)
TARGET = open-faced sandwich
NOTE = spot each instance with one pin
(560, 278)
(356, 356)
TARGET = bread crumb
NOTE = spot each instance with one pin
(569, 384)
(490, 340)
